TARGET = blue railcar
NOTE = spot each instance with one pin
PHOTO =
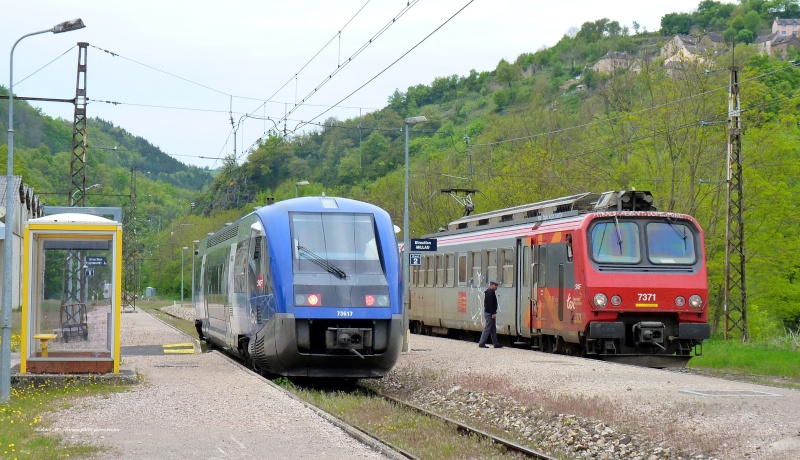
(305, 287)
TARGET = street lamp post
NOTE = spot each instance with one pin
(299, 184)
(8, 256)
(406, 242)
(91, 187)
(182, 271)
(194, 256)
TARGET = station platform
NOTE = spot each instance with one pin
(189, 404)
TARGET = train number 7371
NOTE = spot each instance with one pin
(647, 297)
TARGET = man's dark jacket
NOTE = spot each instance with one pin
(490, 301)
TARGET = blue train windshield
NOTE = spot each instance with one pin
(341, 244)
(616, 242)
(670, 243)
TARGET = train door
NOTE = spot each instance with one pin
(523, 286)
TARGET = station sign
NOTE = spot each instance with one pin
(423, 244)
(415, 260)
(94, 261)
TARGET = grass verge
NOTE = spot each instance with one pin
(417, 434)
(757, 361)
(25, 434)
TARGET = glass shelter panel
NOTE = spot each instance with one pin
(72, 300)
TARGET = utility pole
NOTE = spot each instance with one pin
(735, 290)
(73, 296)
(129, 249)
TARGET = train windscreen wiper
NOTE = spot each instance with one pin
(619, 233)
(681, 233)
(329, 267)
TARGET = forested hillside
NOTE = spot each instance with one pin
(42, 148)
(547, 125)
(552, 123)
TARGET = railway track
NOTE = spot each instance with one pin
(463, 428)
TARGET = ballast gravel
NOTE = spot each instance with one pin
(579, 408)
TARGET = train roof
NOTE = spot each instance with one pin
(320, 204)
(551, 210)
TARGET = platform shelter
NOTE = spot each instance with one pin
(70, 323)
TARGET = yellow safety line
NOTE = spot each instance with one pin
(172, 345)
(182, 352)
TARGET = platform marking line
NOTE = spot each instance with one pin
(178, 348)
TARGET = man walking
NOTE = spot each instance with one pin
(490, 316)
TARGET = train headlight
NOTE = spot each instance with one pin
(600, 300)
(695, 302)
(369, 300)
(616, 300)
(680, 301)
(382, 300)
(314, 300)
(306, 300)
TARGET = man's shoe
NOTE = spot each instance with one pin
(482, 346)
(498, 346)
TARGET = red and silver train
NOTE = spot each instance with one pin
(603, 275)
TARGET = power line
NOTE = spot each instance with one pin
(393, 63)
(42, 67)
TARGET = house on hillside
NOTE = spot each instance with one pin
(777, 45)
(686, 48)
(786, 27)
(615, 60)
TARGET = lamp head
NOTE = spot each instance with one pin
(415, 120)
(68, 26)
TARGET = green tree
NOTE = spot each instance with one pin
(506, 73)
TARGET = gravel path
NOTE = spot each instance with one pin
(199, 406)
(579, 408)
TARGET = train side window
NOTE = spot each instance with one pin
(415, 275)
(450, 262)
(462, 269)
(570, 256)
(431, 272)
(440, 270)
(525, 262)
(491, 264)
(508, 267)
(542, 266)
(476, 268)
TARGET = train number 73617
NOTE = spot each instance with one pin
(344, 313)
(647, 297)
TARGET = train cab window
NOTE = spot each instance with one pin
(431, 272)
(491, 264)
(337, 243)
(450, 263)
(615, 242)
(462, 269)
(508, 267)
(670, 243)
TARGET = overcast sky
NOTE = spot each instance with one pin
(234, 55)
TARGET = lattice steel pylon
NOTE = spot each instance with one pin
(735, 287)
(129, 249)
(73, 294)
